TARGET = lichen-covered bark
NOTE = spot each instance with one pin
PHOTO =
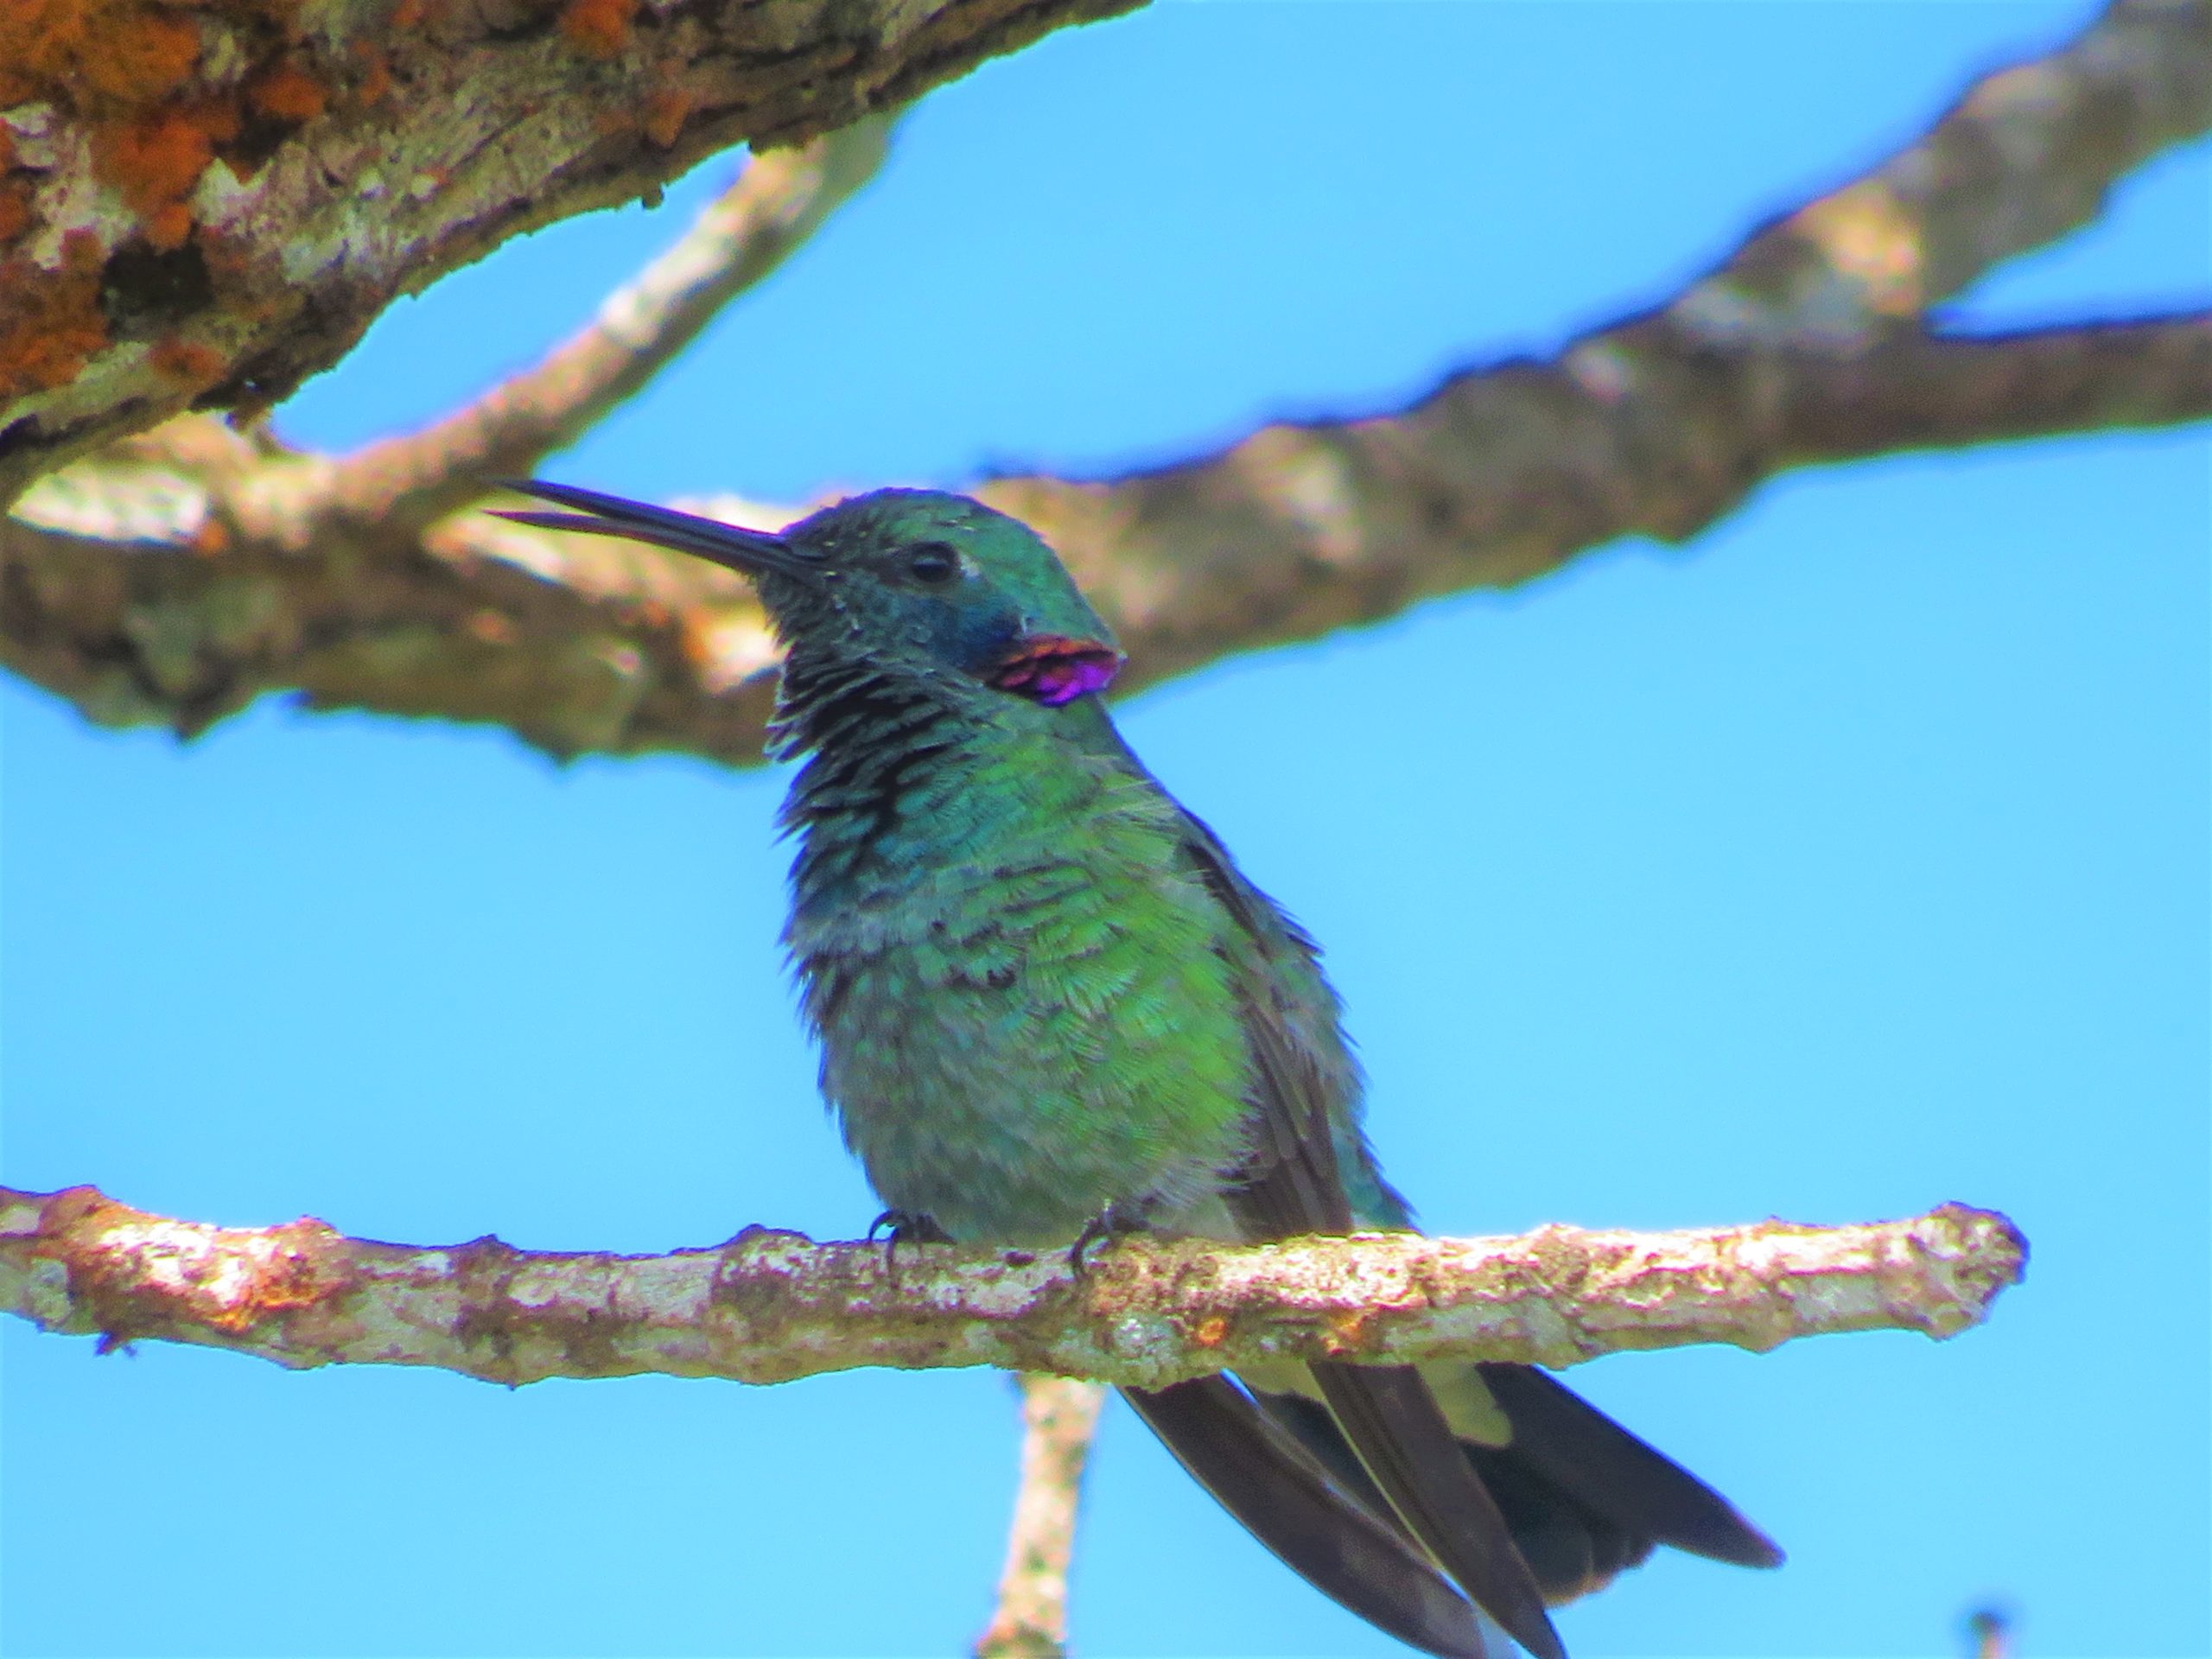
(174, 578)
(771, 1306)
(204, 201)
(575, 648)
(401, 484)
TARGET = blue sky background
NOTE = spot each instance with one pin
(1850, 860)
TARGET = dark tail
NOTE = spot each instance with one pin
(1397, 1429)
(1583, 1498)
(1566, 1457)
(1254, 1463)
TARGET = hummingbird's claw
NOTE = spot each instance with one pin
(904, 1227)
(1115, 1221)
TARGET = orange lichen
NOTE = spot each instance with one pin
(666, 110)
(598, 28)
(156, 160)
(101, 56)
(187, 360)
(168, 226)
(50, 320)
(15, 208)
(375, 83)
(284, 92)
(1347, 1332)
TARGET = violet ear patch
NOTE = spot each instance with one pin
(1053, 670)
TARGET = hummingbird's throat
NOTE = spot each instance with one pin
(1052, 668)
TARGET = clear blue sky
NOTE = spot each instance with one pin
(1850, 860)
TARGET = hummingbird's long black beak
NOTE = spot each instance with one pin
(752, 552)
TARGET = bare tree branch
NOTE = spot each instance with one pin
(766, 213)
(1059, 1416)
(579, 645)
(769, 1307)
(175, 580)
(1504, 475)
(221, 205)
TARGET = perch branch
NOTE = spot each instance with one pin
(1058, 1415)
(769, 1307)
(177, 578)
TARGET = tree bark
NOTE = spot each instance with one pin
(201, 205)
(771, 1306)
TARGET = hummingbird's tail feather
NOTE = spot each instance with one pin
(1584, 1499)
(1561, 1441)
(1258, 1471)
(1394, 1423)
(1570, 1550)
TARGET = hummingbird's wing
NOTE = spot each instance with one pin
(1259, 1471)
(1562, 1498)
(1294, 1185)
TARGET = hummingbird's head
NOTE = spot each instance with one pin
(918, 580)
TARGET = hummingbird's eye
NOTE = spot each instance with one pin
(933, 565)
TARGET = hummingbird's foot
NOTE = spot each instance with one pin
(1115, 1221)
(904, 1227)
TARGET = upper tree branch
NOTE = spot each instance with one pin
(202, 206)
(767, 211)
(1808, 346)
(769, 1307)
(1653, 428)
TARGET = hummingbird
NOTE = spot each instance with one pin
(1051, 1009)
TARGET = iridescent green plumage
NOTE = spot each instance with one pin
(1009, 1051)
(1046, 998)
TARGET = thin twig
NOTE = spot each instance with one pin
(1059, 1417)
(768, 212)
(769, 1307)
